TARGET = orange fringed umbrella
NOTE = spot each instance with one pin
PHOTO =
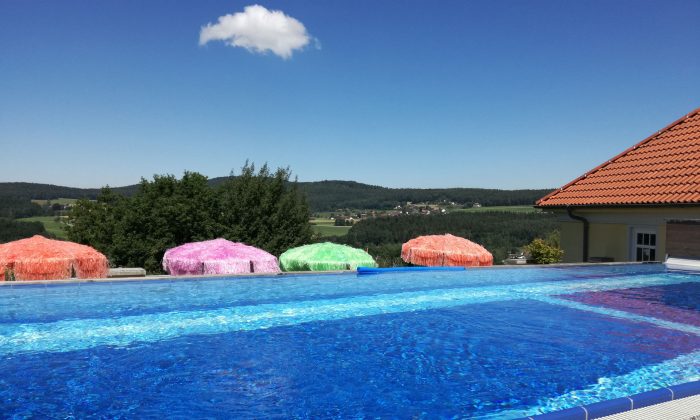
(445, 250)
(39, 258)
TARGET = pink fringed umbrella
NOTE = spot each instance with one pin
(218, 256)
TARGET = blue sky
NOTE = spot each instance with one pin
(498, 94)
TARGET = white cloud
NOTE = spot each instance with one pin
(259, 30)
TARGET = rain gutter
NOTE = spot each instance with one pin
(586, 226)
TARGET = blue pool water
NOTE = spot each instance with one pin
(493, 343)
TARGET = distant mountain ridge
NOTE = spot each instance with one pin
(322, 195)
(51, 192)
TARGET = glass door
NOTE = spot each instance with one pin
(644, 244)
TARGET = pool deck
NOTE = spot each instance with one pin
(681, 409)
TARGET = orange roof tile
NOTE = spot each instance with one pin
(662, 169)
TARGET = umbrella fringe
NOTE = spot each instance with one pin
(59, 268)
(183, 266)
(266, 266)
(218, 256)
(325, 257)
(43, 269)
(437, 258)
(90, 268)
(329, 265)
(230, 266)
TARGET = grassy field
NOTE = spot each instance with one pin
(326, 230)
(62, 201)
(322, 221)
(325, 227)
(511, 209)
(50, 224)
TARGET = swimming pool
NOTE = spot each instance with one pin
(485, 343)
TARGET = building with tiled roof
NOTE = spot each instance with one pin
(642, 204)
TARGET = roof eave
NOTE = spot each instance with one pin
(607, 206)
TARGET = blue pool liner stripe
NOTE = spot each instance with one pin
(374, 270)
(620, 405)
(692, 329)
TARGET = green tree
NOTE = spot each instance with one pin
(264, 209)
(11, 230)
(164, 213)
(94, 222)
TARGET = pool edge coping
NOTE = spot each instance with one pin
(293, 273)
(622, 404)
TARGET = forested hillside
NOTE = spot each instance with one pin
(18, 207)
(331, 195)
(50, 192)
(321, 196)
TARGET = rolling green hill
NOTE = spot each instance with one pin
(332, 195)
(51, 192)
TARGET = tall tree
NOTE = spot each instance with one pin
(164, 213)
(264, 209)
(95, 222)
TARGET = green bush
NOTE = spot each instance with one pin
(11, 230)
(541, 252)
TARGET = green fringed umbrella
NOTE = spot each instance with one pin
(325, 256)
